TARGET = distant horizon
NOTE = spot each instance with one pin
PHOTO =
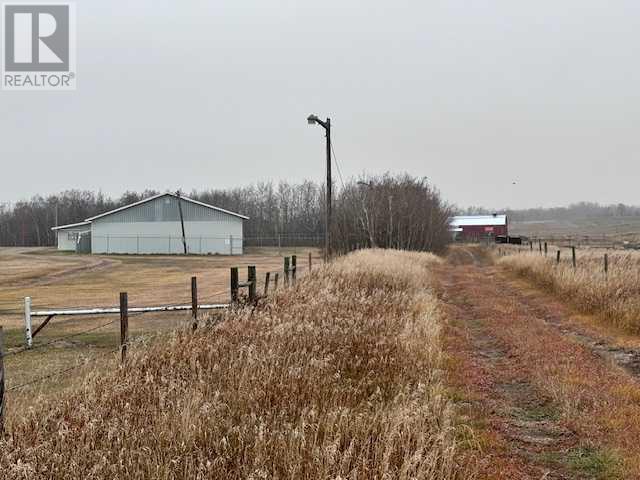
(503, 209)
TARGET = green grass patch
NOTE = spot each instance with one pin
(538, 413)
(589, 462)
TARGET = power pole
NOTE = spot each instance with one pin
(184, 239)
(390, 237)
(312, 120)
(327, 238)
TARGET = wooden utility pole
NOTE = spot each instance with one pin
(184, 238)
(390, 230)
(327, 238)
(313, 119)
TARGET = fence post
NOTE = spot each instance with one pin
(606, 264)
(540, 246)
(558, 257)
(573, 256)
(124, 324)
(267, 279)
(286, 271)
(1, 383)
(252, 280)
(310, 263)
(234, 284)
(27, 321)
(194, 301)
(545, 249)
(275, 284)
(294, 267)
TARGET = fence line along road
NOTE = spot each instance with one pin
(290, 270)
(49, 314)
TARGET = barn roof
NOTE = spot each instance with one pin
(146, 200)
(478, 220)
(71, 225)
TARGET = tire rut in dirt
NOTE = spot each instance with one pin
(514, 408)
(547, 309)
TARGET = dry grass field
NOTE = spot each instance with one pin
(595, 230)
(614, 296)
(381, 365)
(340, 376)
(58, 280)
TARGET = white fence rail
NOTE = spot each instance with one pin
(29, 314)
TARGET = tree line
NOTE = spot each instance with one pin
(390, 211)
(575, 211)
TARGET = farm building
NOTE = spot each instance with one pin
(154, 226)
(68, 235)
(478, 227)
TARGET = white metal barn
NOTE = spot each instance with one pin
(154, 226)
(68, 235)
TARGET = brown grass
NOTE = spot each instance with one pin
(615, 297)
(339, 378)
(56, 279)
(59, 279)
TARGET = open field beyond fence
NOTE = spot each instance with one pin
(597, 231)
(602, 282)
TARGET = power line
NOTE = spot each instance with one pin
(337, 165)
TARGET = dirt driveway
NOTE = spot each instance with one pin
(549, 395)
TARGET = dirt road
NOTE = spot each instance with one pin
(548, 396)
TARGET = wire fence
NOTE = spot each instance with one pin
(256, 287)
(58, 373)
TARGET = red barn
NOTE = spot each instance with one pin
(478, 227)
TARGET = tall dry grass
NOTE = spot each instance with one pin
(615, 296)
(338, 378)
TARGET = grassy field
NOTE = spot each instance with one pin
(57, 280)
(614, 296)
(339, 377)
(595, 231)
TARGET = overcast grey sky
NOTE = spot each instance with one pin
(472, 94)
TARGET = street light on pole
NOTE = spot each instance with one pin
(312, 120)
